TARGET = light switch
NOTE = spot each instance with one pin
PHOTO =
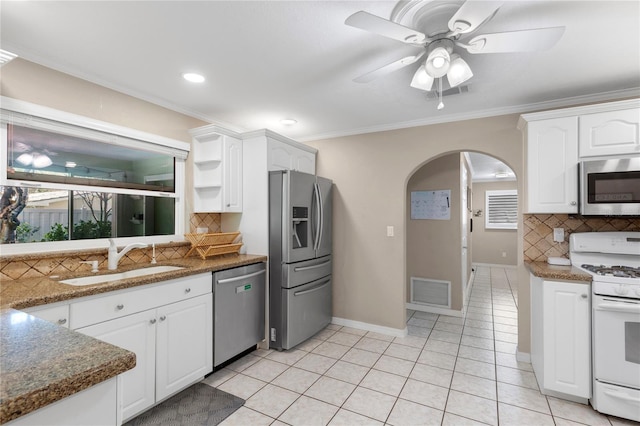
(389, 231)
(558, 235)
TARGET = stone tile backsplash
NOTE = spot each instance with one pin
(538, 232)
(38, 265)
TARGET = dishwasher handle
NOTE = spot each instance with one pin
(241, 277)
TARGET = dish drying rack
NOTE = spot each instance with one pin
(213, 244)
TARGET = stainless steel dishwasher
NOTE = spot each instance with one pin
(239, 309)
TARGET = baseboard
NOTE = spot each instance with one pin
(434, 310)
(523, 357)
(396, 332)
(495, 265)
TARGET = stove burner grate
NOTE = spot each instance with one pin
(615, 270)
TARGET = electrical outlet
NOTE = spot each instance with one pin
(558, 235)
(389, 231)
(504, 254)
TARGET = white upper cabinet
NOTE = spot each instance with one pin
(217, 170)
(552, 166)
(287, 156)
(610, 133)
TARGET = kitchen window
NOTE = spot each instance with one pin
(502, 209)
(67, 178)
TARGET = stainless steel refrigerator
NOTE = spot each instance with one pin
(299, 257)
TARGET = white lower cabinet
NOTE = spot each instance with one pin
(561, 338)
(173, 342)
(57, 314)
(173, 347)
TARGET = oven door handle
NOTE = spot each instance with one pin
(630, 308)
(620, 395)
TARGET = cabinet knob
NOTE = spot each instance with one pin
(187, 290)
(162, 318)
(228, 205)
(153, 321)
(584, 296)
(120, 307)
(62, 321)
(573, 203)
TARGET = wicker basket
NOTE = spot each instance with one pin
(213, 244)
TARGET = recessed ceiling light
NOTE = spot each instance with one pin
(193, 77)
(288, 121)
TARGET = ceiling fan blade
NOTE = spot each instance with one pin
(375, 24)
(516, 41)
(472, 14)
(387, 69)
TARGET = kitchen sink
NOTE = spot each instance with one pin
(98, 279)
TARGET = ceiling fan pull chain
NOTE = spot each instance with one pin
(440, 105)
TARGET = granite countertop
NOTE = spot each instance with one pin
(29, 292)
(557, 272)
(41, 362)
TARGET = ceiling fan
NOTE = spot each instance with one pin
(441, 59)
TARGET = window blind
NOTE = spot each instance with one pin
(501, 209)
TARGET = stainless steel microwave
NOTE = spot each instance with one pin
(610, 187)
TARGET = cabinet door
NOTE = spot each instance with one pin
(279, 156)
(184, 344)
(232, 184)
(57, 314)
(304, 161)
(135, 333)
(552, 166)
(610, 133)
(567, 338)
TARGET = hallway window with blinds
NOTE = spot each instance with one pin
(501, 209)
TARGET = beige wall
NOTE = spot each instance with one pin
(371, 173)
(433, 246)
(489, 244)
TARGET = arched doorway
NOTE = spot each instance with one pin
(444, 209)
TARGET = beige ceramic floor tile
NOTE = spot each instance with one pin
(425, 394)
(437, 359)
(296, 379)
(576, 412)
(349, 418)
(242, 386)
(309, 412)
(412, 341)
(370, 403)
(474, 385)
(523, 397)
(373, 345)
(408, 353)
(347, 372)
(271, 400)
(219, 377)
(477, 354)
(393, 365)
(515, 416)
(331, 350)
(346, 339)
(405, 413)
(433, 375)
(315, 363)
(288, 357)
(244, 416)
(442, 347)
(454, 420)
(383, 382)
(472, 407)
(330, 390)
(516, 377)
(265, 370)
(361, 357)
(476, 368)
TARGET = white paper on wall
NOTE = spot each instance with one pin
(431, 204)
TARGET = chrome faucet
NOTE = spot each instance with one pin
(114, 256)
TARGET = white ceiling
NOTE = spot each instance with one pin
(266, 60)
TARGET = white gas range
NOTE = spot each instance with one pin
(613, 260)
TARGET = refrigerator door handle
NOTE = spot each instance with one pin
(311, 290)
(308, 268)
(321, 230)
(316, 194)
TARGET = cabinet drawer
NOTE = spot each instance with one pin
(127, 302)
(58, 315)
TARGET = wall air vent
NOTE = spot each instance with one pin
(434, 94)
(426, 291)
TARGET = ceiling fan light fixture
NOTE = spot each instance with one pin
(437, 62)
(459, 71)
(422, 80)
